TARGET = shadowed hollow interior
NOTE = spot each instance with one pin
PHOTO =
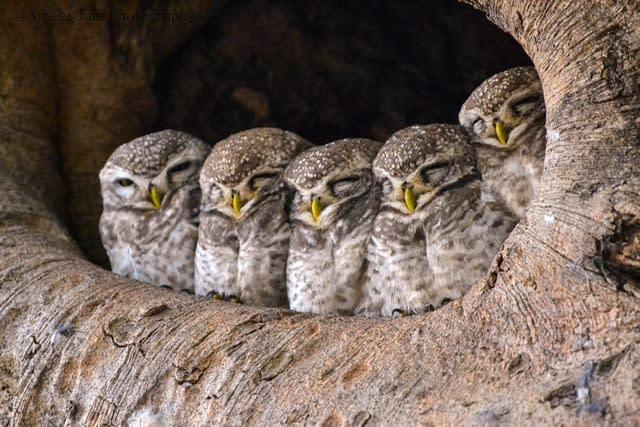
(332, 69)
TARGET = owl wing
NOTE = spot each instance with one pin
(397, 275)
(193, 206)
(262, 258)
(216, 260)
(116, 238)
(462, 245)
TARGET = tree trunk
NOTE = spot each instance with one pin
(550, 335)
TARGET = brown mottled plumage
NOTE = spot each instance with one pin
(151, 240)
(505, 116)
(437, 229)
(244, 232)
(325, 268)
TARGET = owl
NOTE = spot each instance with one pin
(151, 199)
(438, 228)
(505, 116)
(244, 233)
(333, 208)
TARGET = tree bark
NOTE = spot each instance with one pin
(550, 335)
(105, 66)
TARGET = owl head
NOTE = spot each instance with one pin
(419, 162)
(503, 107)
(330, 179)
(245, 169)
(143, 174)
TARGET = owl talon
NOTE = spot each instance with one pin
(166, 287)
(215, 295)
(399, 313)
(233, 299)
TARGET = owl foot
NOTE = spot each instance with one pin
(233, 299)
(399, 313)
(215, 295)
(166, 287)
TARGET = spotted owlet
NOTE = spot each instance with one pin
(244, 232)
(505, 116)
(437, 230)
(333, 209)
(151, 198)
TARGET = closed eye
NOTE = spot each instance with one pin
(479, 126)
(212, 198)
(344, 187)
(432, 175)
(525, 105)
(387, 187)
(179, 167)
(262, 180)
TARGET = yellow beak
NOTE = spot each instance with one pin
(410, 200)
(316, 209)
(502, 133)
(155, 196)
(236, 202)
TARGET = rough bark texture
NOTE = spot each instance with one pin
(550, 335)
(105, 59)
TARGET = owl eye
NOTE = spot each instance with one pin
(525, 105)
(179, 167)
(211, 198)
(215, 192)
(124, 182)
(345, 187)
(434, 174)
(387, 187)
(263, 180)
(479, 126)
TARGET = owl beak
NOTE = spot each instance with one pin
(155, 196)
(410, 199)
(236, 203)
(316, 209)
(502, 132)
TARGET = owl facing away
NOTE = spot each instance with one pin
(244, 231)
(437, 230)
(151, 198)
(333, 208)
(505, 116)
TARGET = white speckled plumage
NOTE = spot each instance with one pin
(419, 258)
(511, 169)
(243, 253)
(149, 244)
(325, 267)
